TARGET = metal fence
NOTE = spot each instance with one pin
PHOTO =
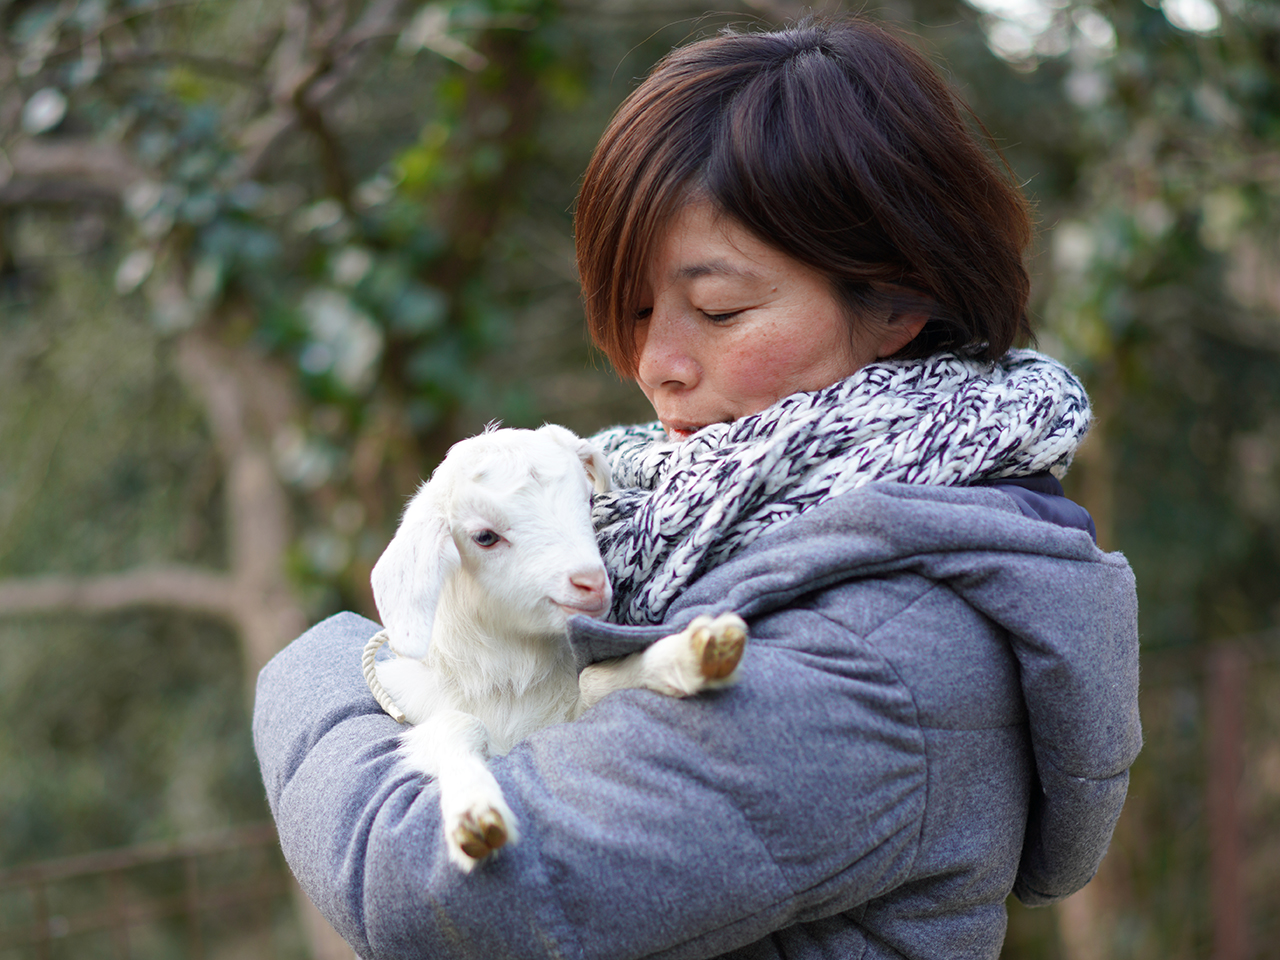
(224, 893)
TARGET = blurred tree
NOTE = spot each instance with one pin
(260, 264)
(1151, 132)
(1151, 135)
(312, 250)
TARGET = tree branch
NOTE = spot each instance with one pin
(246, 403)
(67, 170)
(243, 73)
(297, 76)
(332, 160)
(173, 587)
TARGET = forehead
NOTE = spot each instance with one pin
(515, 464)
(702, 245)
(699, 242)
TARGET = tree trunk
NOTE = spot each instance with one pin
(1087, 919)
(1226, 768)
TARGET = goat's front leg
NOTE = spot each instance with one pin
(703, 656)
(452, 746)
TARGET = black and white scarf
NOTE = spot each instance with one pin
(679, 509)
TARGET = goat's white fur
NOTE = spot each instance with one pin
(479, 625)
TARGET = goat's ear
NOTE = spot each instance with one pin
(592, 457)
(596, 465)
(409, 575)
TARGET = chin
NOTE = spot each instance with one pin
(595, 611)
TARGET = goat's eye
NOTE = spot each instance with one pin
(486, 538)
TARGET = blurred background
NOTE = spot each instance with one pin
(262, 261)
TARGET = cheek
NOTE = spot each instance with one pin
(764, 369)
(647, 391)
(752, 370)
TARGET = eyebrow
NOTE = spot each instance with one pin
(714, 268)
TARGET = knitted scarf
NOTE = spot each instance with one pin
(680, 508)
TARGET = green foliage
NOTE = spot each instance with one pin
(1150, 151)
(122, 728)
(291, 207)
(1159, 295)
(146, 740)
(397, 243)
(106, 463)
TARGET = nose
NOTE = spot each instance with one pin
(664, 354)
(589, 585)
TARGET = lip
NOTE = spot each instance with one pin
(597, 609)
(682, 431)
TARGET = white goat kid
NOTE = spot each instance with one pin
(493, 556)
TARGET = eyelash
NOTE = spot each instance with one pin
(645, 312)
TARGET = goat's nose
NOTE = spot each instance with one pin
(591, 582)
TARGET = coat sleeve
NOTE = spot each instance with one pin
(651, 827)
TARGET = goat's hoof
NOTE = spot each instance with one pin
(480, 834)
(718, 644)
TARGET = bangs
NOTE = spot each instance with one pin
(647, 165)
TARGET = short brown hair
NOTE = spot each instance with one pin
(834, 142)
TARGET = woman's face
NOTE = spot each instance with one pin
(729, 325)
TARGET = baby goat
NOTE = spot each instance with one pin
(493, 556)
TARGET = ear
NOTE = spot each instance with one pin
(901, 329)
(910, 310)
(592, 457)
(409, 575)
(596, 465)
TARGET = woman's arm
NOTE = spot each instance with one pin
(651, 827)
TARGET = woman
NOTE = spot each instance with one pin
(796, 248)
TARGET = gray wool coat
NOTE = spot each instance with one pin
(938, 706)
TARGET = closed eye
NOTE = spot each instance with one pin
(720, 317)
